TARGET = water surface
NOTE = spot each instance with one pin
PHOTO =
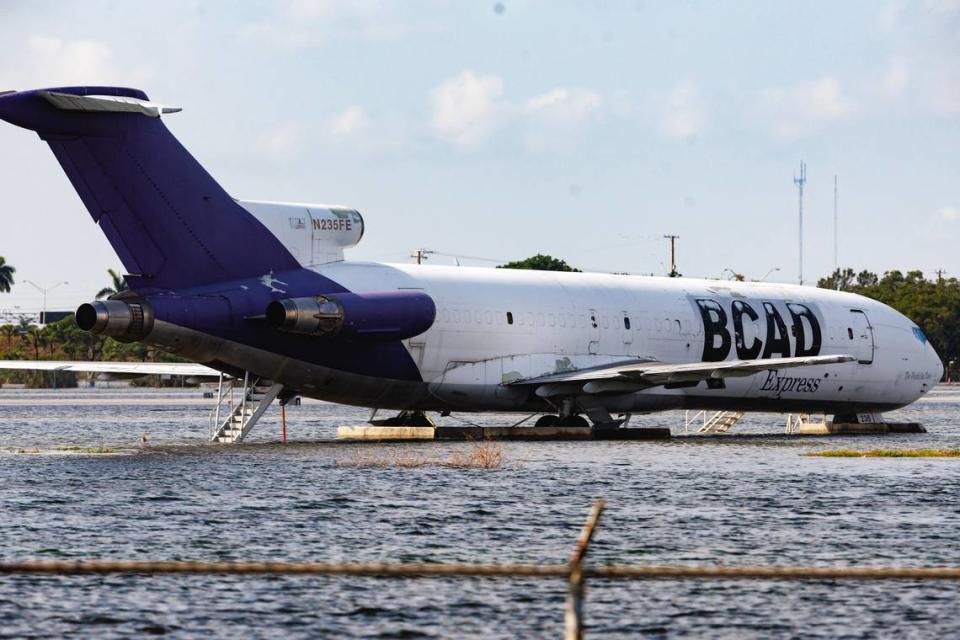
(746, 498)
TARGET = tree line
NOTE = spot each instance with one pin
(933, 304)
(64, 340)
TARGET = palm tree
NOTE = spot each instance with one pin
(33, 336)
(119, 284)
(6, 275)
(8, 331)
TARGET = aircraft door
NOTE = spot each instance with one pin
(593, 329)
(861, 334)
(626, 325)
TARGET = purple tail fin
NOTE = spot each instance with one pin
(169, 221)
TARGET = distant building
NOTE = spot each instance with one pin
(14, 315)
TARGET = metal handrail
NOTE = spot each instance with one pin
(225, 389)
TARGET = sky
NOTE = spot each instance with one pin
(500, 129)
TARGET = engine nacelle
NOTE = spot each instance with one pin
(313, 234)
(126, 321)
(393, 315)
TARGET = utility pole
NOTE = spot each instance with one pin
(940, 273)
(836, 227)
(800, 182)
(421, 255)
(673, 256)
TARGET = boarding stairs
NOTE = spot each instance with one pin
(796, 422)
(719, 422)
(238, 410)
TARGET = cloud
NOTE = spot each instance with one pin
(356, 131)
(280, 142)
(74, 62)
(682, 117)
(895, 78)
(555, 118)
(46, 60)
(352, 120)
(563, 106)
(467, 108)
(805, 108)
(948, 214)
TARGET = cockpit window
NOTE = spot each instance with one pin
(919, 334)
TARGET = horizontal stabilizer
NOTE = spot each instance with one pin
(133, 368)
(3, 93)
(114, 104)
(626, 377)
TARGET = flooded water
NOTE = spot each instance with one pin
(741, 499)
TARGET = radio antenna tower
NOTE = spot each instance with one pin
(800, 182)
(836, 227)
(673, 256)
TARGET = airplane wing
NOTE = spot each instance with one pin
(636, 376)
(128, 368)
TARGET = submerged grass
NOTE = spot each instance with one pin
(484, 455)
(55, 450)
(100, 449)
(886, 453)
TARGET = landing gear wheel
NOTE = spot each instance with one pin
(408, 418)
(573, 421)
(548, 420)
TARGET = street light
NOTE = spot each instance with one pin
(768, 273)
(44, 290)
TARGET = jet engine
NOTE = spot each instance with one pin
(393, 315)
(123, 320)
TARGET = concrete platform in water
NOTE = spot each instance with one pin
(406, 434)
(377, 433)
(858, 428)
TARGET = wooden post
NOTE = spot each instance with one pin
(573, 610)
(283, 423)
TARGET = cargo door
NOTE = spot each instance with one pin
(860, 332)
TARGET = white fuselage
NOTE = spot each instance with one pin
(495, 326)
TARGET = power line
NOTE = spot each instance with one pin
(836, 226)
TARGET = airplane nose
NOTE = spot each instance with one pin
(937, 365)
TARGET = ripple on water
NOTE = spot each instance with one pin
(736, 500)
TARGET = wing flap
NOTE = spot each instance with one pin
(642, 375)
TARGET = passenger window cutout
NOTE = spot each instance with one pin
(626, 323)
(850, 332)
(509, 318)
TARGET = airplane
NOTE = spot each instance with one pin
(261, 290)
